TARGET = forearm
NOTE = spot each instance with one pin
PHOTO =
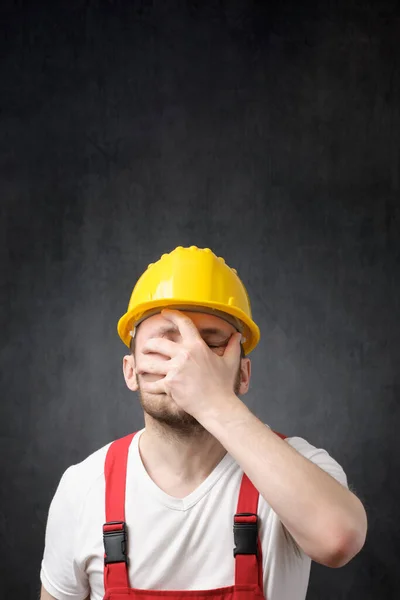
(327, 521)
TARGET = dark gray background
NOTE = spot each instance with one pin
(268, 131)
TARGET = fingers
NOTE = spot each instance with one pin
(187, 328)
(233, 348)
(154, 387)
(155, 367)
(161, 346)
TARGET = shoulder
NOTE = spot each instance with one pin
(63, 569)
(320, 457)
(78, 479)
(91, 467)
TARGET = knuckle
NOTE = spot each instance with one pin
(186, 353)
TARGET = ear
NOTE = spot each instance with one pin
(245, 374)
(129, 369)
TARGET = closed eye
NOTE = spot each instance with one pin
(222, 345)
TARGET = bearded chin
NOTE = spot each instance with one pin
(176, 420)
(158, 407)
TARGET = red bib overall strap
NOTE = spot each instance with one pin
(247, 551)
(114, 530)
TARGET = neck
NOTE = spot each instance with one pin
(178, 462)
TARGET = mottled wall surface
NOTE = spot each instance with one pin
(268, 131)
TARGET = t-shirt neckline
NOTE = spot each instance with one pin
(181, 504)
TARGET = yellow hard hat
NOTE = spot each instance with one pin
(191, 278)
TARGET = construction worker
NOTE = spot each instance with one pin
(206, 502)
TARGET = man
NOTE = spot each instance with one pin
(206, 501)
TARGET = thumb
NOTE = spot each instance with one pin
(232, 349)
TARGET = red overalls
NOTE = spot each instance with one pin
(247, 552)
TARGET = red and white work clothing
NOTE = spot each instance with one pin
(185, 544)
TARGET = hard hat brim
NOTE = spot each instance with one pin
(129, 320)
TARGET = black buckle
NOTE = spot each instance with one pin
(245, 535)
(115, 545)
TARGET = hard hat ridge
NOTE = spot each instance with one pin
(191, 279)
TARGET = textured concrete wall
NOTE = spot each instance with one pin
(269, 132)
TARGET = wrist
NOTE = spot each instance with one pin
(226, 411)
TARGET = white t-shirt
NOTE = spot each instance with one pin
(174, 543)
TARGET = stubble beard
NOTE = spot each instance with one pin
(168, 415)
